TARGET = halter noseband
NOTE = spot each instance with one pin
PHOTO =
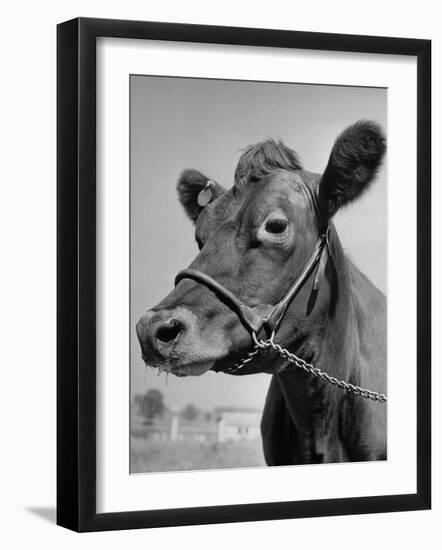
(264, 315)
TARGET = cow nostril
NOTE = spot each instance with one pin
(168, 332)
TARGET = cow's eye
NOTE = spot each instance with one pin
(199, 242)
(276, 226)
(275, 230)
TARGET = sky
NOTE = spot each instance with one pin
(179, 123)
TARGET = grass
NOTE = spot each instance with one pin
(148, 455)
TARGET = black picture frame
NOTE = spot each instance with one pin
(76, 273)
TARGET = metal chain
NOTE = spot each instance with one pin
(307, 367)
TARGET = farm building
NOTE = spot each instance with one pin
(227, 425)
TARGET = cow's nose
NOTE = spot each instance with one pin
(169, 331)
(158, 331)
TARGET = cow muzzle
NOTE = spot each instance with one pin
(159, 332)
(173, 341)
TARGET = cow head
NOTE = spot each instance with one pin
(254, 239)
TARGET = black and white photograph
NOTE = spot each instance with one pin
(243, 274)
(220, 234)
(258, 274)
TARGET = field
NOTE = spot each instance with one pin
(148, 455)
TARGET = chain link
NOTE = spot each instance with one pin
(307, 367)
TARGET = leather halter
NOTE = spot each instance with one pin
(264, 315)
(270, 317)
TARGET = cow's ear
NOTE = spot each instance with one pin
(191, 186)
(352, 166)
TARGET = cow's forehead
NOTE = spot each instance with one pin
(294, 190)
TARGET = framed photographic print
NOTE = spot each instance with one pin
(243, 274)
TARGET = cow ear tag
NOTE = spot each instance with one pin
(206, 194)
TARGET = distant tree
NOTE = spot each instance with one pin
(152, 404)
(190, 412)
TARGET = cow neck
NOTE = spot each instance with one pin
(325, 344)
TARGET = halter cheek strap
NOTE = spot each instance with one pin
(265, 315)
